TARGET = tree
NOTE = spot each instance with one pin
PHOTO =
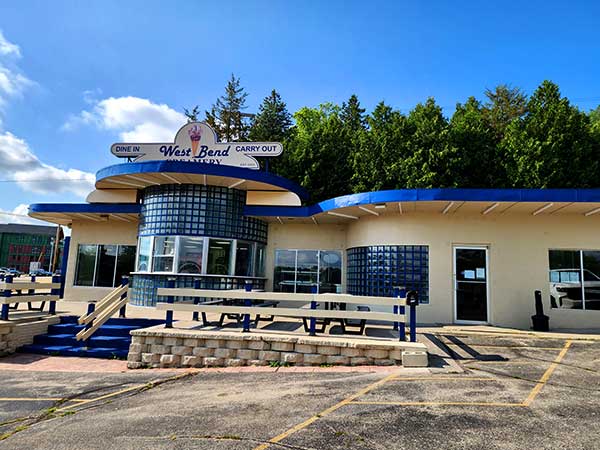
(317, 153)
(273, 121)
(429, 157)
(476, 161)
(552, 145)
(380, 152)
(226, 116)
(193, 114)
(352, 114)
(505, 103)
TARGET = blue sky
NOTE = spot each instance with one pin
(78, 76)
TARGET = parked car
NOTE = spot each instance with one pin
(566, 292)
(14, 272)
(40, 273)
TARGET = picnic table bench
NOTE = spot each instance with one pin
(347, 318)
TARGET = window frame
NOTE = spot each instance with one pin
(96, 257)
(581, 272)
(205, 249)
(296, 250)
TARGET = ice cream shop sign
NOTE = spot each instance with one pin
(197, 142)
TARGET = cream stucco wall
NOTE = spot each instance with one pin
(518, 258)
(91, 232)
(518, 255)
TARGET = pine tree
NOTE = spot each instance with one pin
(353, 115)
(505, 103)
(193, 114)
(273, 121)
(226, 116)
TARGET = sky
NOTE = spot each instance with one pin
(76, 76)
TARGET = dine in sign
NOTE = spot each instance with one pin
(197, 142)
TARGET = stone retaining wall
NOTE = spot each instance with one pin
(160, 347)
(15, 334)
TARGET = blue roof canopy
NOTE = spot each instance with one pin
(135, 170)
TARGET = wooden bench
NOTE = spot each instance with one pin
(17, 292)
(347, 317)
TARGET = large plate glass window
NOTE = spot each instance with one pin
(86, 265)
(219, 256)
(330, 272)
(103, 265)
(300, 270)
(567, 269)
(106, 264)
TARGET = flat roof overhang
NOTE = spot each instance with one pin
(443, 201)
(151, 173)
(66, 213)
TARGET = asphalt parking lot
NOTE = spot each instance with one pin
(514, 393)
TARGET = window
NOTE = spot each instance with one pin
(103, 265)
(144, 252)
(567, 269)
(86, 264)
(200, 255)
(243, 258)
(164, 254)
(261, 251)
(190, 255)
(300, 270)
(219, 256)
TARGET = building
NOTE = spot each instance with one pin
(199, 211)
(22, 244)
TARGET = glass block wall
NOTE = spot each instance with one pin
(377, 269)
(143, 287)
(195, 210)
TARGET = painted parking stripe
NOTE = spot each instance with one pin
(437, 403)
(547, 374)
(444, 379)
(42, 399)
(325, 412)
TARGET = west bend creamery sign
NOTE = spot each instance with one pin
(197, 142)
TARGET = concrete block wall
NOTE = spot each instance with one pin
(16, 334)
(184, 348)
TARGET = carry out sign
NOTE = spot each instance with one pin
(197, 142)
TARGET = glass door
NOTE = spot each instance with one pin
(470, 284)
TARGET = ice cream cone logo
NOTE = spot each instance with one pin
(195, 134)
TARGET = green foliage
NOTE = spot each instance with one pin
(507, 141)
(317, 152)
(226, 116)
(552, 146)
(273, 121)
(476, 161)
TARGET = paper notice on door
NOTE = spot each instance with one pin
(480, 273)
(469, 274)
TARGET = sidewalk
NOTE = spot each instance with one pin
(489, 330)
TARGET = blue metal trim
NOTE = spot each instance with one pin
(89, 208)
(200, 169)
(427, 195)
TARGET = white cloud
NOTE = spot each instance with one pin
(19, 215)
(135, 119)
(18, 162)
(8, 48)
(12, 82)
